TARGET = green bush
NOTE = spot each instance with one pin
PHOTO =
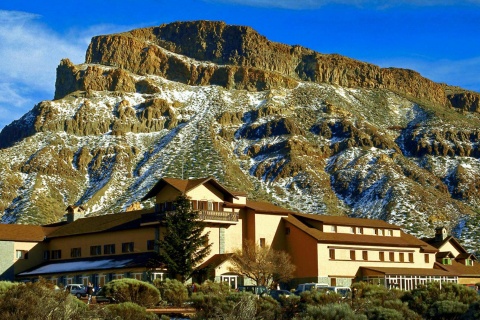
(334, 311)
(210, 300)
(126, 311)
(381, 313)
(6, 285)
(132, 290)
(172, 291)
(40, 301)
(446, 309)
(424, 299)
(473, 312)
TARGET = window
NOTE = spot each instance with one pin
(333, 228)
(352, 230)
(210, 205)
(410, 257)
(287, 231)
(332, 254)
(427, 258)
(352, 255)
(380, 232)
(365, 255)
(75, 252)
(95, 250)
(46, 255)
(150, 245)
(469, 262)
(402, 257)
(389, 233)
(359, 230)
(109, 249)
(118, 276)
(381, 256)
(391, 256)
(446, 261)
(127, 247)
(137, 276)
(21, 254)
(56, 254)
(262, 242)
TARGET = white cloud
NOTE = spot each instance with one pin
(29, 55)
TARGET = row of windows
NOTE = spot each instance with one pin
(359, 230)
(194, 205)
(127, 247)
(382, 256)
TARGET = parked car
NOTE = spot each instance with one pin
(276, 294)
(309, 286)
(258, 290)
(77, 289)
(101, 297)
(345, 292)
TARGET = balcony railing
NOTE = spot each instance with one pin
(205, 215)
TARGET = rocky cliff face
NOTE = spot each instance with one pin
(316, 133)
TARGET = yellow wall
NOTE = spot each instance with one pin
(35, 255)
(138, 236)
(268, 226)
(167, 194)
(449, 247)
(471, 281)
(205, 192)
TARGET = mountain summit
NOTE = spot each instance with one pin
(317, 133)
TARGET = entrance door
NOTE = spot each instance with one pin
(231, 280)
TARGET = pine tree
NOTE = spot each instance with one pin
(184, 244)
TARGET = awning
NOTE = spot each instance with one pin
(138, 260)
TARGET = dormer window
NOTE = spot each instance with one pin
(380, 232)
(446, 261)
(359, 230)
(468, 262)
(333, 228)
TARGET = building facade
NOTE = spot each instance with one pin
(326, 249)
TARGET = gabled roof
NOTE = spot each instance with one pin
(439, 244)
(24, 233)
(108, 222)
(215, 261)
(463, 256)
(461, 269)
(184, 186)
(405, 240)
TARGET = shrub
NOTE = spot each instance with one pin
(40, 301)
(381, 313)
(132, 290)
(172, 291)
(6, 285)
(210, 300)
(446, 309)
(332, 311)
(126, 311)
(473, 312)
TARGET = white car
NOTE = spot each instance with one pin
(77, 289)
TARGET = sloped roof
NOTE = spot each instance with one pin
(260, 206)
(410, 271)
(24, 233)
(135, 260)
(405, 240)
(184, 186)
(215, 260)
(462, 270)
(347, 221)
(439, 244)
(108, 222)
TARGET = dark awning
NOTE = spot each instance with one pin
(137, 260)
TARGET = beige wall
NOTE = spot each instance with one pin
(344, 266)
(268, 227)
(205, 192)
(35, 255)
(449, 247)
(138, 236)
(471, 281)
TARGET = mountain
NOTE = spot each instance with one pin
(316, 133)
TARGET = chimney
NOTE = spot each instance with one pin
(440, 234)
(74, 213)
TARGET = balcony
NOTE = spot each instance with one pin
(221, 217)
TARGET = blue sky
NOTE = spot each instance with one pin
(440, 39)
